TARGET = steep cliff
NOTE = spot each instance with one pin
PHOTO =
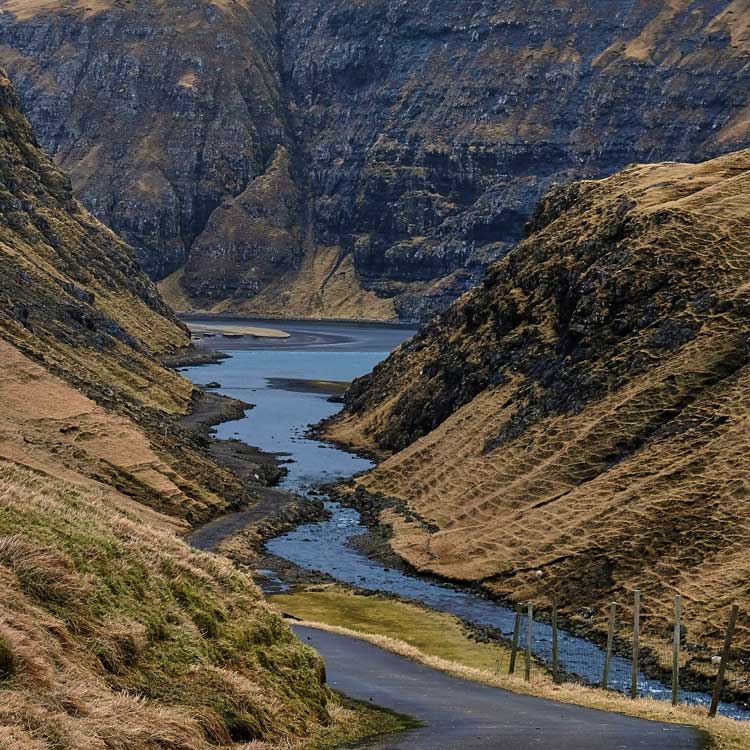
(431, 129)
(584, 412)
(160, 111)
(407, 142)
(80, 329)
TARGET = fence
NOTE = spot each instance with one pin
(630, 649)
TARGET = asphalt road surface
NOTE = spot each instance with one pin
(461, 715)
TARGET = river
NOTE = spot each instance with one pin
(271, 374)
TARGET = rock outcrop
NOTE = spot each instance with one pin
(416, 137)
(584, 412)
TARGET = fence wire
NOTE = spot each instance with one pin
(583, 659)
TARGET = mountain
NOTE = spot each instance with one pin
(584, 411)
(360, 159)
(113, 632)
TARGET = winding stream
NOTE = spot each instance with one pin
(256, 372)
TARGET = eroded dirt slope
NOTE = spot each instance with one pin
(585, 411)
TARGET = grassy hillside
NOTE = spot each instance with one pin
(114, 635)
(81, 328)
(584, 413)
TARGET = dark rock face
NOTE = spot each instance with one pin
(159, 112)
(431, 129)
(415, 137)
(249, 240)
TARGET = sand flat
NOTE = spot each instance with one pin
(238, 330)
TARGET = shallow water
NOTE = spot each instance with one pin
(278, 424)
(281, 417)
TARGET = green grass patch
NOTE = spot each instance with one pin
(433, 633)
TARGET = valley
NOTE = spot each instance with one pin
(114, 634)
(374, 374)
(327, 550)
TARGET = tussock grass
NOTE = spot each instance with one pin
(115, 636)
(722, 733)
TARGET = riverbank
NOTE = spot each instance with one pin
(192, 356)
(655, 659)
(242, 534)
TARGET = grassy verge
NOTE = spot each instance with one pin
(432, 639)
(354, 722)
(432, 633)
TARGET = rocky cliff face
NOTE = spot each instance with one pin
(583, 412)
(415, 137)
(431, 129)
(160, 111)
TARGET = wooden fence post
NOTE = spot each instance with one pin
(610, 643)
(555, 653)
(724, 659)
(529, 635)
(636, 643)
(676, 650)
(516, 636)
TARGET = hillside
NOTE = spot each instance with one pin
(114, 634)
(363, 159)
(584, 412)
(80, 329)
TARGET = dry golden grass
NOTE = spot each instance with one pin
(606, 443)
(47, 424)
(24, 10)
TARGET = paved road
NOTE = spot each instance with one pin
(462, 715)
